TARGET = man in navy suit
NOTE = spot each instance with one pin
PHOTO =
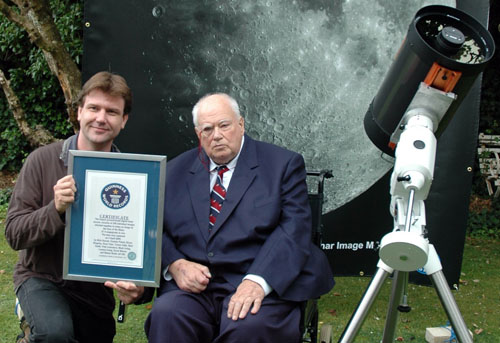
(242, 275)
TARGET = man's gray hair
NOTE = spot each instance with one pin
(232, 102)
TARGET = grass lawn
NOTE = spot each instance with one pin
(478, 299)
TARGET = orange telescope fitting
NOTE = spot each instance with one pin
(442, 78)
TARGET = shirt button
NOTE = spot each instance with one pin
(210, 254)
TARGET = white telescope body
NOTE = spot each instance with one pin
(415, 157)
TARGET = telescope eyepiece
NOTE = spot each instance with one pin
(450, 40)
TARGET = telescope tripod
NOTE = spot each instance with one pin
(398, 300)
(427, 64)
(406, 248)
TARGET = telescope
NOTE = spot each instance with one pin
(444, 48)
(442, 55)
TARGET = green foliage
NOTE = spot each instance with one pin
(490, 102)
(38, 90)
(5, 196)
(484, 218)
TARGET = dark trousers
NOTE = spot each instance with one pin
(54, 317)
(179, 316)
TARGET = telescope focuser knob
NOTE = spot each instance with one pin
(404, 178)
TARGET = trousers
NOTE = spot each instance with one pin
(179, 316)
(55, 317)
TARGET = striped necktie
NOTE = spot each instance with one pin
(217, 196)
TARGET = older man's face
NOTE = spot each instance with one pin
(219, 131)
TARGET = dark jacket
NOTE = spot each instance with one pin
(264, 227)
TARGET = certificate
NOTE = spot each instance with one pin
(114, 227)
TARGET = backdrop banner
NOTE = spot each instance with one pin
(304, 73)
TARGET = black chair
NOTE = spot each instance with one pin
(309, 323)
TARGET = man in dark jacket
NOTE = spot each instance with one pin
(240, 258)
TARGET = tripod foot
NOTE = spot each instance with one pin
(404, 309)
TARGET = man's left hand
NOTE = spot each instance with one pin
(248, 295)
(126, 291)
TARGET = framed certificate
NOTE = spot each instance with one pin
(114, 227)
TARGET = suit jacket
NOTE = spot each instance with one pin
(264, 227)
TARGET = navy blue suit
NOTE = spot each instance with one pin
(264, 227)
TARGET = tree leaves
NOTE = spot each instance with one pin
(36, 87)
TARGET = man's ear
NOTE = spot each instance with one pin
(79, 113)
(198, 134)
(125, 119)
(242, 124)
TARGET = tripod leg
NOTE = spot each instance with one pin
(434, 270)
(399, 282)
(364, 306)
(450, 306)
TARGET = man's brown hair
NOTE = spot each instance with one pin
(109, 83)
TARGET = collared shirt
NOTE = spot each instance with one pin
(71, 144)
(226, 179)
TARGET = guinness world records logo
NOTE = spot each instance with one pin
(115, 196)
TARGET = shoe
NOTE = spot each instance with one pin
(24, 336)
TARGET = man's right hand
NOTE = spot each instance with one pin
(190, 276)
(64, 193)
